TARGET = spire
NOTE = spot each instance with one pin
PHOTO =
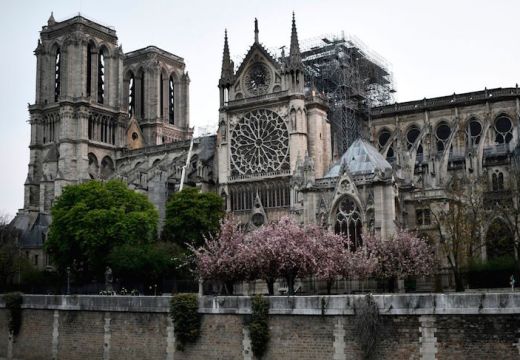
(51, 20)
(295, 58)
(226, 74)
(256, 31)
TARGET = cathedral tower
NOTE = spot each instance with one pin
(77, 121)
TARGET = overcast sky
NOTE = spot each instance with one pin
(435, 48)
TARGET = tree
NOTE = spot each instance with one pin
(459, 224)
(285, 249)
(191, 215)
(10, 260)
(509, 206)
(225, 257)
(91, 219)
(402, 255)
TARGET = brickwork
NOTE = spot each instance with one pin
(482, 336)
(138, 336)
(4, 334)
(140, 328)
(29, 346)
(221, 338)
(80, 335)
(301, 338)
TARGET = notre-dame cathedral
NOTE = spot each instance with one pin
(100, 113)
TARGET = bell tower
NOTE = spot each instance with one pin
(77, 121)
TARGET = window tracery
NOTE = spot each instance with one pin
(474, 132)
(503, 130)
(442, 133)
(411, 136)
(348, 221)
(260, 144)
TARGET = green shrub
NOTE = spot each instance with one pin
(186, 319)
(259, 325)
(494, 273)
(13, 303)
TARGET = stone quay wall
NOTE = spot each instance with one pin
(413, 326)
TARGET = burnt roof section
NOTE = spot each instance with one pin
(165, 55)
(79, 22)
(442, 102)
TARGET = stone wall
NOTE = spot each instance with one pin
(433, 326)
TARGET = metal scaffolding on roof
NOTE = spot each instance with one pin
(351, 77)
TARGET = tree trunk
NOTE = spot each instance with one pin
(290, 284)
(459, 281)
(329, 286)
(270, 286)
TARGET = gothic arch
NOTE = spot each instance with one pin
(107, 168)
(93, 166)
(348, 219)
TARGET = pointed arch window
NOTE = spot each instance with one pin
(131, 95)
(161, 95)
(503, 130)
(89, 70)
(142, 95)
(171, 101)
(348, 221)
(442, 133)
(474, 132)
(101, 77)
(57, 75)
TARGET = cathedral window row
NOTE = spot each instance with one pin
(500, 133)
(136, 95)
(102, 129)
(271, 196)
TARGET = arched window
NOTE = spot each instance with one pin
(390, 155)
(131, 95)
(411, 136)
(503, 130)
(497, 181)
(89, 69)
(142, 94)
(57, 75)
(420, 154)
(101, 77)
(93, 166)
(161, 95)
(442, 133)
(107, 167)
(384, 136)
(348, 221)
(171, 101)
(474, 132)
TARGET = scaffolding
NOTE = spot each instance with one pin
(351, 77)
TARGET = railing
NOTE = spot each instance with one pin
(259, 175)
(264, 97)
(454, 99)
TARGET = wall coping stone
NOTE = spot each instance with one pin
(389, 304)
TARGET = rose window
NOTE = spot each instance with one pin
(259, 144)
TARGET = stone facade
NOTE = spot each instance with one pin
(100, 113)
(428, 327)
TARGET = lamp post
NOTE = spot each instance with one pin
(512, 282)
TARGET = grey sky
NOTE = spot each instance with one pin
(435, 48)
